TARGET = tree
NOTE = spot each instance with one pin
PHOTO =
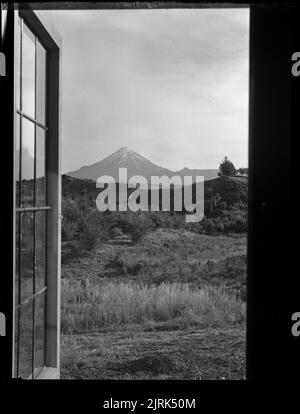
(242, 171)
(227, 168)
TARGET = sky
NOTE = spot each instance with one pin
(171, 85)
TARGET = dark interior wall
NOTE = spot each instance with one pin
(271, 348)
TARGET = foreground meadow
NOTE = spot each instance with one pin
(170, 306)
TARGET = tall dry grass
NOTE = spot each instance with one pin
(89, 305)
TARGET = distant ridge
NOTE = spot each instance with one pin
(230, 189)
(136, 164)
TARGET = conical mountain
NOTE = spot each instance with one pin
(135, 163)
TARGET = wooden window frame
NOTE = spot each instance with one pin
(52, 43)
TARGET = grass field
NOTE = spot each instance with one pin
(170, 306)
(92, 306)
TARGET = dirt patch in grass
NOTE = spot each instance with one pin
(152, 364)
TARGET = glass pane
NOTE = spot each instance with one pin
(39, 333)
(26, 319)
(40, 250)
(16, 343)
(17, 160)
(18, 62)
(27, 161)
(40, 83)
(28, 72)
(40, 167)
(27, 255)
(17, 274)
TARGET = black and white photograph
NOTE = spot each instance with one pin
(139, 160)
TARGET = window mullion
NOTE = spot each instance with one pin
(19, 293)
(34, 213)
(19, 204)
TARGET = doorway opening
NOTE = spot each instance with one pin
(145, 294)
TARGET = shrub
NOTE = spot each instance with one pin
(71, 211)
(68, 230)
(87, 235)
(135, 224)
(69, 250)
(84, 227)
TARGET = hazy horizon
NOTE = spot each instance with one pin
(171, 85)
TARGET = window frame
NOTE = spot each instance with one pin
(51, 41)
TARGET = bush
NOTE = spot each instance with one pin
(88, 226)
(135, 224)
(87, 235)
(85, 227)
(69, 250)
(68, 230)
(71, 211)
